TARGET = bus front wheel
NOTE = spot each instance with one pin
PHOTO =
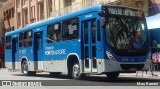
(112, 75)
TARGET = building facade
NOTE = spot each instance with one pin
(31, 11)
(1, 22)
(8, 15)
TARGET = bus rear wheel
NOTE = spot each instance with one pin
(25, 70)
(112, 75)
(76, 74)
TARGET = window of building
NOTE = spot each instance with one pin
(4, 15)
(41, 10)
(8, 42)
(19, 19)
(70, 29)
(50, 10)
(24, 2)
(12, 12)
(9, 14)
(18, 3)
(25, 18)
(54, 33)
(68, 2)
(32, 14)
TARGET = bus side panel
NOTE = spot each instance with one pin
(56, 54)
(8, 59)
(27, 53)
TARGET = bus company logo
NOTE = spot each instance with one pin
(6, 83)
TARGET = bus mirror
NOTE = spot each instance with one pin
(158, 46)
(103, 21)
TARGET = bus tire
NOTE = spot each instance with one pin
(25, 69)
(76, 74)
(112, 75)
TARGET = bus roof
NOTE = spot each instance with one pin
(60, 18)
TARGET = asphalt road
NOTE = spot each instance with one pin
(127, 81)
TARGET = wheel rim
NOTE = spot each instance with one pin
(76, 70)
(25, 69)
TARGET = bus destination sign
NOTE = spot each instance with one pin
(124, 11)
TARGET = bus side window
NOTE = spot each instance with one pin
(28, 38)
(54, 33)
(70, 29)
(21, 39)
(8, 42)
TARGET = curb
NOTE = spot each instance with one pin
(142, 75)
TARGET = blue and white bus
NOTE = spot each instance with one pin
(96, 40)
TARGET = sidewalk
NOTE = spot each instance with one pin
(3, 69)
(7, 70)
(142, 74)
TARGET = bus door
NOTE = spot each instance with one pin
(14, 52)
(38, 48)
(89, 44)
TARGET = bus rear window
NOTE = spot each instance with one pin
(8, 42)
